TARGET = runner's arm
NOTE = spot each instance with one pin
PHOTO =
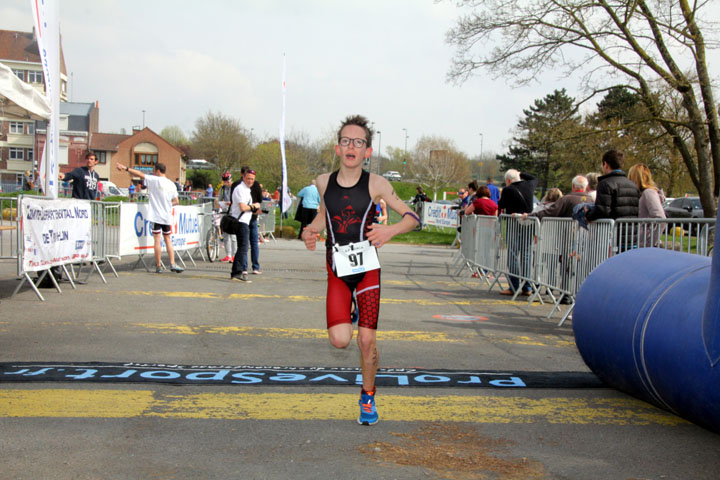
(381, 234)
(132, 171)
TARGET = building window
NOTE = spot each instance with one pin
(17, 154)
(35, 76)
(31, 129)
(146, 159)
(17, 128)
(19, 74)
(101, 157)
(30, 154)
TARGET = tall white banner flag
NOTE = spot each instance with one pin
(286, 199)
(46, 14)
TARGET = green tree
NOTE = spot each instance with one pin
(657, 47)
(543, 139)
(221, 140)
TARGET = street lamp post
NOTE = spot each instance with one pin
(379, 154)
(143, 124)
(481, 145)
(405, 156)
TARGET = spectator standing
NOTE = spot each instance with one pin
(84, 179)
(592, 179)
(309, 199)
(27, 182)
(551, 196)
(210, 191)
(617, 196)
(131, 191)
(483, 204)
(163, 195)
(224, 199)
(494, 190)
(563, 207)
(178, 185)
(242, 209)
(517, 198)
(650, 204)
(256, 193)
(464, 198)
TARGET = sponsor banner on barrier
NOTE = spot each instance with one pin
(55, 232)
(136, 231)
(132, 372)
(440, 215)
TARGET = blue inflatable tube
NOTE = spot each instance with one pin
(647, 322)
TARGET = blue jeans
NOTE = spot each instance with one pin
(519, 257)
(243, 238)
(254, 246)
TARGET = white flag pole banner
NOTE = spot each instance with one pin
(46, 14)
(135, 229)
(439, 215)
(286, 199)
(55, 232)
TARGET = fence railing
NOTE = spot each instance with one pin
(556, 255)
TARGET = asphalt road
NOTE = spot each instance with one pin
(430, 319)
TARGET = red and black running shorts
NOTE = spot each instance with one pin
(339, 297)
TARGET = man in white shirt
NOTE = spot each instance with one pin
(163, 196)
(243, 209)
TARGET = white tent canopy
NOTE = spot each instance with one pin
(21, 99)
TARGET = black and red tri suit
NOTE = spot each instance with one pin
(349, 213)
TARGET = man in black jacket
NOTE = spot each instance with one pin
(617, 196)
(517, 197)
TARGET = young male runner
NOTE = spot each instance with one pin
(347, 211)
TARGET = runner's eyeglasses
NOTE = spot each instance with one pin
(357, 142)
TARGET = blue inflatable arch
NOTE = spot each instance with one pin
(647, 322)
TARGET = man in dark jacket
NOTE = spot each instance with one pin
(617, 196)
(517, 197)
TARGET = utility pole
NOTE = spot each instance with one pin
(405, 156)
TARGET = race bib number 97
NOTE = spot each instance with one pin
(355, 258)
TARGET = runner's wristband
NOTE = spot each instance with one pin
(412, 214)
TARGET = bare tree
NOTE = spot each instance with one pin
(655, 47)
(221, 140)
(437, 163)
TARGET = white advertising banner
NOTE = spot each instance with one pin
(47, 27)
(136, 231)
(440, 215)
(55, 232)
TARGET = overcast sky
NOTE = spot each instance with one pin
(386, 59)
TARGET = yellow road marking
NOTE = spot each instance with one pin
(301, 333)
(306, 298)
(64, 403)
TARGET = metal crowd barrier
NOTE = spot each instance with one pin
(266, 221)
(9, 227)
(557, 254)
(516, 251)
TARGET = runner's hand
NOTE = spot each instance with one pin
(379, 234)
(309, 236)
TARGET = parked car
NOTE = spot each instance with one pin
(685, 207)
(107, 188)
(392, 176)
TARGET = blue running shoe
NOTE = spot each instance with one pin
(355, 313)
(368, 412)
